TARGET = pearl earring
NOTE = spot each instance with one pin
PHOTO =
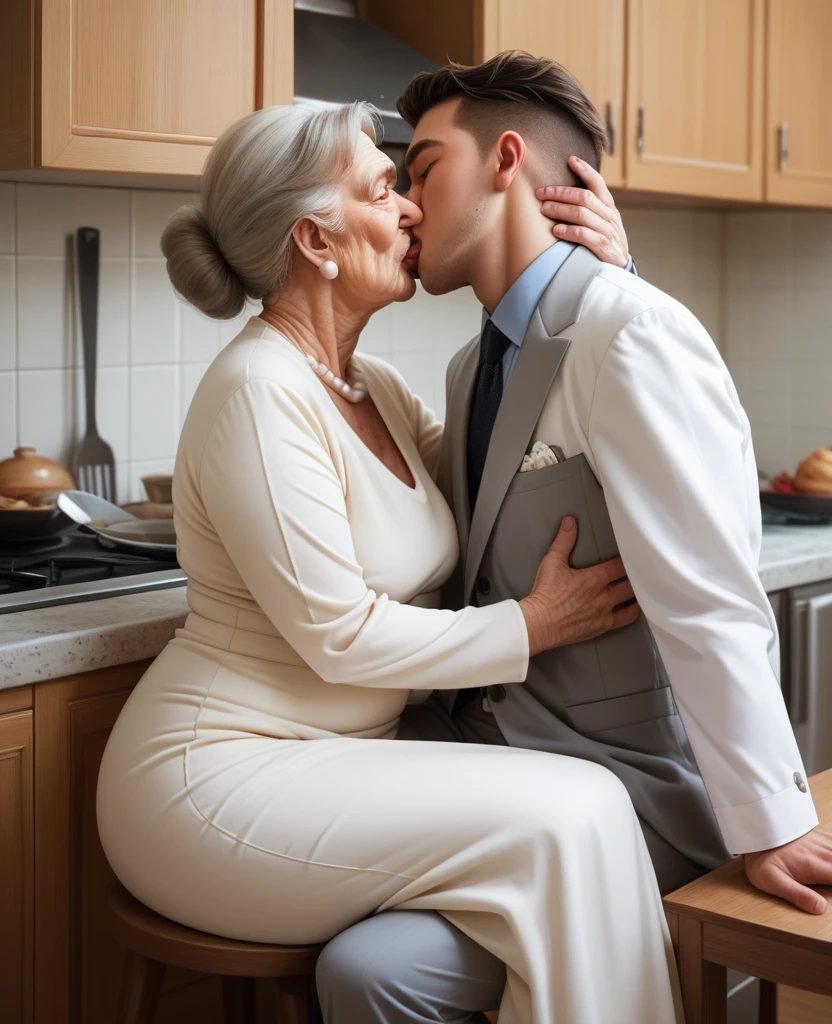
(329, 270)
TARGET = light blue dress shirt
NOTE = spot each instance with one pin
(516, 308)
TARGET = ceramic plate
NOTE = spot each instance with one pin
(142, 534)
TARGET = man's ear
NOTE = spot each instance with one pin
(309, 241)
(511, 154)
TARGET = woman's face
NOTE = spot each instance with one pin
(371, 251)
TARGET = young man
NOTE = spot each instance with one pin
(646, 443)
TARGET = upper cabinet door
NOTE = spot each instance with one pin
(799, 118)
(695, 97)
(147, 85)
(587, 37)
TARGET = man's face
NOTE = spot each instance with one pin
(450, 183)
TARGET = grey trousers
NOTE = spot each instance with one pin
(413, 966)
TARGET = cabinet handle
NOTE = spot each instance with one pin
(784, 145)
(610, 130)
(640, 137)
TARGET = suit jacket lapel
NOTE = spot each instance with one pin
(537, 365)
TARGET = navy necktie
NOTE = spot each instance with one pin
(488, 392)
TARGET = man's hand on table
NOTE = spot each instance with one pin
(788, 870)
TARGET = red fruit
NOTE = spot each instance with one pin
(783, 483)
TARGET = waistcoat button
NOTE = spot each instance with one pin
(484, 586)
(497, 693)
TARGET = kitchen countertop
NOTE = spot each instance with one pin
(794, 555)
(48, 643)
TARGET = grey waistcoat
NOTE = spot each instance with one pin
(607, 700)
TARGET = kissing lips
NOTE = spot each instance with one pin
(411, 259)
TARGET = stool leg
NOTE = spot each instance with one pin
(295, 1004)
(704, 984)
(768, 1002)
(238, 1001)
(141, 985)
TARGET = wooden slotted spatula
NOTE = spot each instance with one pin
(94, 465)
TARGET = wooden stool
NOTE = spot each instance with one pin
(721, 921)
(153, 942)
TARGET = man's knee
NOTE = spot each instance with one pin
(363, 974)
(406, 967)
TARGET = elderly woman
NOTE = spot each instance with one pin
(252, 786)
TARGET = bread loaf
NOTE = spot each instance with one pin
(814, 474)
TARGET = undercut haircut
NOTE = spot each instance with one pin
(514, 91)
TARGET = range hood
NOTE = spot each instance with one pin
(340, 58)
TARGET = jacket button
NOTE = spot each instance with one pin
(798, 781)
(497, 693)
(484, 586)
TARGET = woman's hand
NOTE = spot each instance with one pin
(567, 605)
(588, 215)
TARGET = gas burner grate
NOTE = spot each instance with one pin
(33, 571)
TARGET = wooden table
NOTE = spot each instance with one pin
(722, 921)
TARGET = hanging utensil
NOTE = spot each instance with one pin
(94, 464)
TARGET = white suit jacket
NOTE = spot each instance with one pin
(644, 394)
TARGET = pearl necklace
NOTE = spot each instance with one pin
(354, 390)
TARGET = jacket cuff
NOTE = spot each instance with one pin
(770, 822)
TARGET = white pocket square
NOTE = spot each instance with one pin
(540, 456)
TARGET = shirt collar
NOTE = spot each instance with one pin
(516, 308)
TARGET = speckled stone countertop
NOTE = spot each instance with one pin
(47, 643)
(794, 555)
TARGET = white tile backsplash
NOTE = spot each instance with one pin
(154, 334)
(48, 414)
(8, 414)
(150, 213)
(44, 313)
(778, 330)
(761, 283)
(8, 318)
(48, 214)
(154, 412)
(7, 217)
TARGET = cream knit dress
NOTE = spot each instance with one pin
(252, 786)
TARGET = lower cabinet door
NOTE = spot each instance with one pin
(16, 858)
(78, 965)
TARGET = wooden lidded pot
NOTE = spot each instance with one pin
(27, 475)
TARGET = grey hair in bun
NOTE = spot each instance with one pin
(198, 269)
(268, 171)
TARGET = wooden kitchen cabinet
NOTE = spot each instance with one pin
(798, 138)
(16, 857)
(78, 966)
(695, 97)
(586, 36)
(141, 86)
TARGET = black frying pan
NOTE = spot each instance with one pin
(26, 525)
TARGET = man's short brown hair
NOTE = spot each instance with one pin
(514, 91)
